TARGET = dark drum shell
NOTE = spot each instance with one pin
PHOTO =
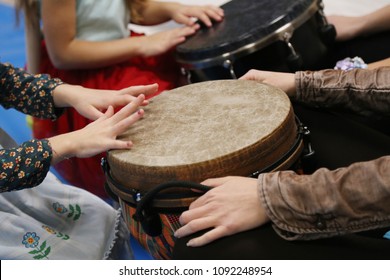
(283, 36)
(245, 22)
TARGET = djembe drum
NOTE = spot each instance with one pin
(284, 35)
(192, 133)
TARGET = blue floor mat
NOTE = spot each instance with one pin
(12, 43)
(12, 50)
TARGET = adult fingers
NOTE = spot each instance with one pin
(251, 75)
(215, 182)
(208, 237)
(193, 214)
(195, 226)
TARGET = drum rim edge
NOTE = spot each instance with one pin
(250, 48)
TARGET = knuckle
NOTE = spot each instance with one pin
(230, 227)
(183, 218)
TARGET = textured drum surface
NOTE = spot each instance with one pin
(203, 130)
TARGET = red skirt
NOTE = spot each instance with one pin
(87, 173)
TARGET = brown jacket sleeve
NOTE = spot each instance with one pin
(351, 199)
(328, 203)
(364, 92)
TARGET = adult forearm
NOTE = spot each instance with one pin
(328, 203)
(364, 92)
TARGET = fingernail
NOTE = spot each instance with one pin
(190, 243)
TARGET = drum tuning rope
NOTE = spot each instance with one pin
(149, 219)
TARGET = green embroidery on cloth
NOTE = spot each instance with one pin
(53, 231)
(42, 253)
(74, 210)
(31, 240)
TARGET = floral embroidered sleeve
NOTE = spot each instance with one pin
(30, 94)
(25, 166)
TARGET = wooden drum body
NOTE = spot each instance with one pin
(200, 131)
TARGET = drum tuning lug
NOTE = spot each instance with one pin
(187, 74)
(321, 5)
(229, 65)
(308, 154)
(328, 34)
(255, 174)
(305, 132)
(294, 62)
(294, 59)
(137, 197)
(327, 31)
(103, 163)
(287, 36)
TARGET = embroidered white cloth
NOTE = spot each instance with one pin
(57, 221)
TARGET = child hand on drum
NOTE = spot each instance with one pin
(100, 135)
(45, 98)
(54, 215)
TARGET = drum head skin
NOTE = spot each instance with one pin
(204, 130)
(245, 22)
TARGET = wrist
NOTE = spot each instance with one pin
(140, 45)
(289, 85)
(62, 147)
(171, 9)
(63, 95)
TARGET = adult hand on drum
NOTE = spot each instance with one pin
(284, 81)
(91, 102)
(98, 136)
(231, 207)
(183, 14)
